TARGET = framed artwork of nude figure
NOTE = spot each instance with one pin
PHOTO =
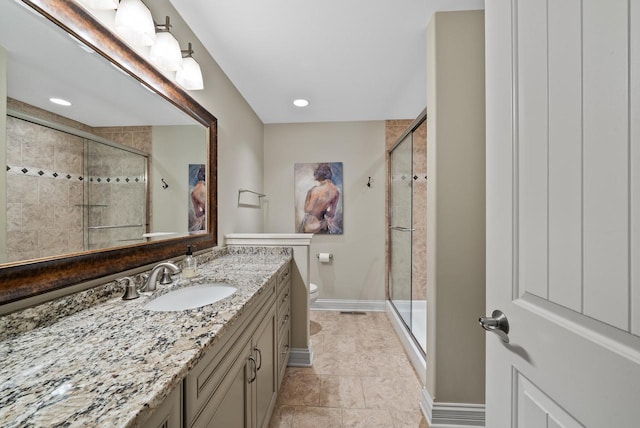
(318, 198)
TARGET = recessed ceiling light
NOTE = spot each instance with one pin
(300, 102)
(60, 101)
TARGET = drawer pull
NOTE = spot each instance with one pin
(285, 319)
(286, 348)
(285, 297)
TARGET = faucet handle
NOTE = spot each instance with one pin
(166, 275)
(131, 290)
(144, 278)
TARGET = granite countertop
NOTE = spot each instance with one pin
(93, 359)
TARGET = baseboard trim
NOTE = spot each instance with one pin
(451, 415)
(348, 305)
(300, 357)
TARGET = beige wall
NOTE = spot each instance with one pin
(455, 207)
(171, 162)
(240, 132)
(357, 271)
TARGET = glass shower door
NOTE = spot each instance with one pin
(116, 193)
(400, 228)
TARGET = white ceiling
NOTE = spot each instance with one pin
(352, 59)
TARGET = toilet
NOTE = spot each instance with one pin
(313, 293)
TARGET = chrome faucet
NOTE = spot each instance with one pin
(150, 282)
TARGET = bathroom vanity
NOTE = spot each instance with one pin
(92, 359)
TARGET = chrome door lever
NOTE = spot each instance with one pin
(497, 323)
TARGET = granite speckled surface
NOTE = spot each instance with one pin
(92, 359)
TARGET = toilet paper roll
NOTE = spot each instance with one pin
(324, 257)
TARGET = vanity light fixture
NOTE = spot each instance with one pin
(300, 102)
(135, 23)
(189, 76)
(60, 102)
(101, 4)
(165, 52)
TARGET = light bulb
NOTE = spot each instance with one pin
(165, 52)
(135, 23)
(190, 75)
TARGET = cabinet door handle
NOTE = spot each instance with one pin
(254, 372)
(285, 319)
(260, 355)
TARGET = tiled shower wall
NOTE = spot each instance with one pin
(419, 215)
(45, 204)
(393, 131)
(44, 191)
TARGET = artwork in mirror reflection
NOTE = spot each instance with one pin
(197, 197)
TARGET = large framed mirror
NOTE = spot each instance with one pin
(124, 177)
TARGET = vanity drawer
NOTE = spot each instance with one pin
(284, 276)
(284, 349)
(283, 299)
(284, 318)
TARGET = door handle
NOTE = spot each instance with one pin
(254, 371)
(497, 323)
(259, 355)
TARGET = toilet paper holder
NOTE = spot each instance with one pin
(318, 256)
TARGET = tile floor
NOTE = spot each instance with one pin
(360, 377)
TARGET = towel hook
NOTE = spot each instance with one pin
(164, 183)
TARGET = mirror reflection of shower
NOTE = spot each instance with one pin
(69, 190)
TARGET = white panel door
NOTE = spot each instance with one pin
(563, 212)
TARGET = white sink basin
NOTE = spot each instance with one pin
(191, 297)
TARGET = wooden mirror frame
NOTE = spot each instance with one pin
(25, 279)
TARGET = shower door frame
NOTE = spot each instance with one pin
(409, 131)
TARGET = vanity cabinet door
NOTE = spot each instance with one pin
(169, 414)
(230, 406)
(266, 377)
